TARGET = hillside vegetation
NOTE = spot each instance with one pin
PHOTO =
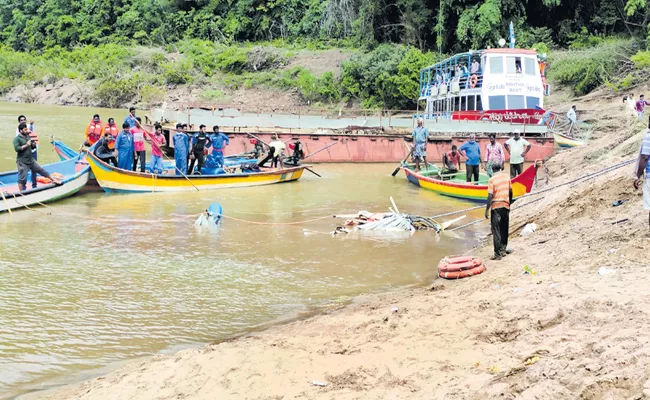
(139, 51)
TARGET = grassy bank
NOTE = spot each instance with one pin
(114, 75)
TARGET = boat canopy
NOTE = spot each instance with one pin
(453, 67)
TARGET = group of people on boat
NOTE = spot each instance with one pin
(126, 148)
(517, 147)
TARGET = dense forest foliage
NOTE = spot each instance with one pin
(123, 47)
(448, 25)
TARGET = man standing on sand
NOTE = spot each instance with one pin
(472, 151)
(642, 165)
(494, 155)
(420, 136)
(640, 107)
(517, 147)
(498, 204)
(25, 162)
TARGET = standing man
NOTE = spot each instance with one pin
(494, 155)
(125, 148)
(498, 203)
(472, 151)
(451, 161)
(181, 148)
(475, 67)
(571, 116)
(131, 118)
(643, 166)
(200, 142)
(138, 144)
(219, 142)
(640, 107)
(25, 162)
(420, 136)
(32, 134)
(93, 131)
(517, 147)
(157, 140)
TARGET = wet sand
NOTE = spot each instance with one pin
(564, 332)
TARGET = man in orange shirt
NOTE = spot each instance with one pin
(499, 199)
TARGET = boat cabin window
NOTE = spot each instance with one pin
(532, 102)
(496, 65)
(497, 102)
(463, 103)
(456, 103)
(479, 103)
(516, 102)
(513, 65)
(531, 66)
(471, 103)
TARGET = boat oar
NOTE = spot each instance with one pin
(402, 163)
(168, 159)
(318, 151)
(269, 146)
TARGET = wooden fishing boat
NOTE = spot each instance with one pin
(454, 185)
(567, 142)
(113, 179)
(75, 173)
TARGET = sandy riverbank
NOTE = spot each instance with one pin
(566, 332)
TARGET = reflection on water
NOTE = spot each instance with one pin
(110, 277)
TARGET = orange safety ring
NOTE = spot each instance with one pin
(473, 80)
(455, 264)
(463, 274)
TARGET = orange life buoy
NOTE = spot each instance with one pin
(473, 81)
(463, 274)
(456, 264)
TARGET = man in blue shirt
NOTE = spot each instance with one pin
(219, 142)
(472, 152)
(130, 119)
(420, 136)
(181, 147)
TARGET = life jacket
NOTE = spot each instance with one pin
(94, 132)
(112, 129)
(34, 137)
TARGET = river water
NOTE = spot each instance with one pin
(78, 293)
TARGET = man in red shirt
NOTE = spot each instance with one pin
(451, 161)
(138, 143)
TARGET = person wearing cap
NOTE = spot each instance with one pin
(420, 136)
(125, 148)
(181, 147)
(103, 150)
(494, 155)
(131, 118)
(472, 151)
(517, 147)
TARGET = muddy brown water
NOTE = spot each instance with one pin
(107, 278)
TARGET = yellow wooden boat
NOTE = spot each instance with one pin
(567, 142)
(113, 179)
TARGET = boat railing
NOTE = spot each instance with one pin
(452, 86)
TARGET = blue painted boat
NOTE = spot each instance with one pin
(75, 172)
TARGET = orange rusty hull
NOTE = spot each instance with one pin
(374, 148)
